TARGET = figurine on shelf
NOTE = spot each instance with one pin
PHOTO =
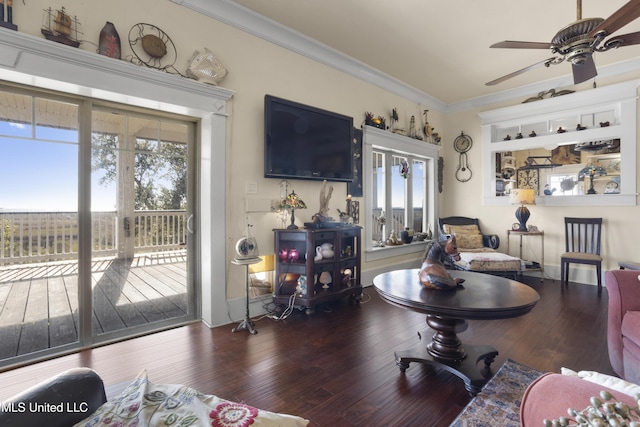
(427, 128)
(326, 250)
(109, 41)
(301, 288)
(395, 126)
(325, 279)
(580, 127)
(561, 130)
(325, 195)
(206, 67)
(413, 133)
(59, 27)
(429, 233)
(8, 23)
(381, 222)
(294, 255)
(393, 239)
(346, 277)
(371, 120)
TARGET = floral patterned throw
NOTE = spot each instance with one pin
(143, 403)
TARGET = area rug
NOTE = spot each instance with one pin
(498, 404)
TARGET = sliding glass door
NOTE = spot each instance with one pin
(140, 209)
(39, 145)
(95, 207)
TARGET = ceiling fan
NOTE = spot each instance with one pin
(578, 41)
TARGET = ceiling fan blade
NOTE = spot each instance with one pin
(585, 71)
(511, 44)
(625, 39)
(516, 73)
(619, 19)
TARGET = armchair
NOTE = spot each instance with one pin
(478, 251)
(623, 323)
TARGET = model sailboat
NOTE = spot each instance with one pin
(60, 27)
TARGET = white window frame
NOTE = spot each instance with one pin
(384, 141)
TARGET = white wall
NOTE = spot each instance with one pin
(256, 68)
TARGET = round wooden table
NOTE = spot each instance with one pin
(480, 297)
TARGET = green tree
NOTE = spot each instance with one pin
(159, 175)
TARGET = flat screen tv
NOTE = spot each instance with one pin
(305, 142)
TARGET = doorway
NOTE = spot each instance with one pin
(95, 211)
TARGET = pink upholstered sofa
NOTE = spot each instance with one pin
(623, 324)
(550, 396)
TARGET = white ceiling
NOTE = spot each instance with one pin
(441, 47)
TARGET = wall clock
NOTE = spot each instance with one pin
(528, 178)
(462, 144)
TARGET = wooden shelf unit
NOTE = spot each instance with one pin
(346, 243)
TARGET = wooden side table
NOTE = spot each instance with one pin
(522, 234)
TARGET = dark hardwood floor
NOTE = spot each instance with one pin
(336, 368)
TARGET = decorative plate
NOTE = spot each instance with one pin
(152, 47)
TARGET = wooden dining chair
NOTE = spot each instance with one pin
(582, 245)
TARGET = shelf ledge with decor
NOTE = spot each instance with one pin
(566, 131)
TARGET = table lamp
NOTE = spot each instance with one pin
(293, 202)
(522, 197)
(591, 171)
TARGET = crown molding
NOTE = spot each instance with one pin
(245, 19)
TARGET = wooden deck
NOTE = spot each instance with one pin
(39, 302)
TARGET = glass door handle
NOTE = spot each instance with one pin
(190, 224)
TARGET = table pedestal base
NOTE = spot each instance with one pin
(464, 367)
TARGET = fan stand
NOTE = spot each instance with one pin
(247, 323)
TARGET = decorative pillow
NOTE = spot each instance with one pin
(468, 241)
(143, 403)
(462, 229)
(613, 383)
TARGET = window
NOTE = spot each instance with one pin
(400, 190)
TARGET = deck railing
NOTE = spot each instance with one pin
(46, 236)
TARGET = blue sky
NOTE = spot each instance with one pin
(42, 174)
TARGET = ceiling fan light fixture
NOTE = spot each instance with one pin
(577, 42)
(576, 32)
(574, 40)
(579, 56)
